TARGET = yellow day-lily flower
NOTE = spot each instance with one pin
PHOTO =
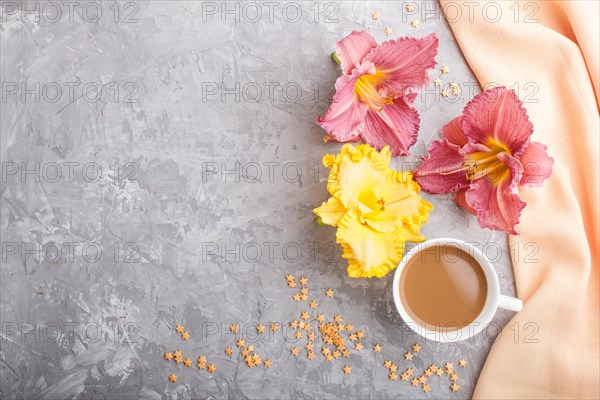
(376, 209)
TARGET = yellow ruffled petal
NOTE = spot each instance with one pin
(401, 206)
(331, 212)
(369, 253)
(354, 170)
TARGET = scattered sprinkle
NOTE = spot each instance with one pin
(228, 351)
(329, 292)
(415, 23)
(388, 31)
(168, 356)
(454, 387)
(416, 347)
(444, 69)
(408, 356)
(173, 378)
(185, 336)
(187, 362)
(211, 368)
(410, 7)
(267, 363)
(179, 329)
(295, 351)
(347, 369)
(233, 328)
(377, 348)
(260, 328)
(462, 363)
(376, 16)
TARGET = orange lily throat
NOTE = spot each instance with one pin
(483, 163)
(365, 90)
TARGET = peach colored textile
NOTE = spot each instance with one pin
(558, 57)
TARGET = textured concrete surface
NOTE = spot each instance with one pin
(160, 162)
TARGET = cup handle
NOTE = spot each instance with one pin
(510, 303)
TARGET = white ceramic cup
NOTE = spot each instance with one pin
(494, 299)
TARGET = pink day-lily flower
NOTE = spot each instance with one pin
(374, 96)
(484, 156)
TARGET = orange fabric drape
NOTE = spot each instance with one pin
(553, 63)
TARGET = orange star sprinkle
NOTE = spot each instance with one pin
(291, 284)
(454, 387)
(298, 335)
(311, 337)
(296, 297)
(404, 376)
(313, 304)
(329, 292)
(233, 328)
(346, 353)
(416, 347)
(414, 382)
(289, 277)
(228, 351)
(211, 368)
(320, 318)
(303, 281)
(337, 318)
(349, 327)
(267, 363)
(177, 353)
(426, 388)
(453, 377)
(168, 356)
(393, 376)
(393, 368)
(408, 356)
(185, 336)
(439, 372)
(187, 362)
(377, 348)
(239, 343)
(462, 362)
(310, 355)
(387, 363)
(347, 369)
(260, 328)
(422, 379)
(304, 315)
(309, 346)
(295, 351)
(179, 329)
(359, 346)
(173, 378)
(274, 327)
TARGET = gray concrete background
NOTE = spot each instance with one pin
(141, 227)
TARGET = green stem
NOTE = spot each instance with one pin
(335, 58)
